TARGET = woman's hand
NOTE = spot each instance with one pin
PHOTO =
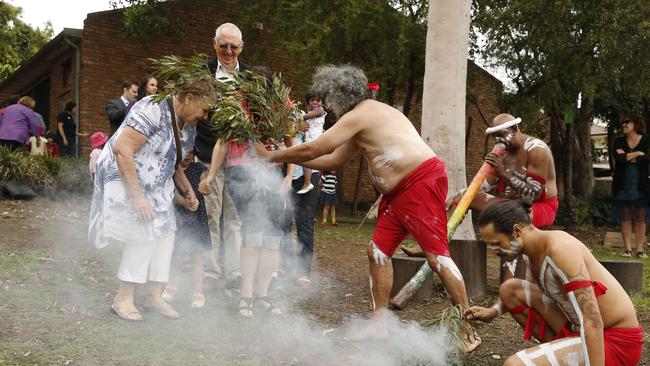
(261, 151)
(65, 142)
(205, 186)
(143, 209)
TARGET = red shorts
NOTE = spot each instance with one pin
(544, 212)
(415, 206)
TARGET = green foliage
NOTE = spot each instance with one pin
(385, 38)
(247, 105)
(18, 40)
(596, 211)
(46, 174)
(147, 19)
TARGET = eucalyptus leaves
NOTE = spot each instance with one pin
(248, 106)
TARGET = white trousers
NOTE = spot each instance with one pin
(148, 261)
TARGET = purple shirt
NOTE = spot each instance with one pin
(17, 123)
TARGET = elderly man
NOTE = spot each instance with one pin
(228, 44)
(117, 108)
(403, 168)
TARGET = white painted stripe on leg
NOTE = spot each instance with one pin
(523, 356)
(550, 354)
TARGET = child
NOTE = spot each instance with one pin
(192, 237)
(37, 145)
(51, 148)
(97, 142)
(328, 195)
(316, 120)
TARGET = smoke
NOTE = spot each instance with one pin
(78, 284)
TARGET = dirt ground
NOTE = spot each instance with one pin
(55, 293)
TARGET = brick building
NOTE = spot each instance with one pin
(88, 66)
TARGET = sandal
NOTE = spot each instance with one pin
(126, 310)
(267, 305)
(641, 255)
(626, 253)
(198, 301)
(162, 308)
(168, 293)
(246, 308)
(304, 281)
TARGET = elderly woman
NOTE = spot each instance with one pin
(17, 123)
(134, 188)
(631, 186)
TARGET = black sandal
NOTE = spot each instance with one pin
(267, 305)
(246, 308)
(641, 255)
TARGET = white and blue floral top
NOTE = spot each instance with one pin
(111, 213)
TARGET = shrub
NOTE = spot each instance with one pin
(45, 174)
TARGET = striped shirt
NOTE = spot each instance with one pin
(329, 183)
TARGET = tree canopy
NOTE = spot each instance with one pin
(18, 40)
(568, 55)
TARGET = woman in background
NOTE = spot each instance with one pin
(631, 185)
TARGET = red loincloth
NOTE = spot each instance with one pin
(544, 212)
(622, 345)
(416, 206)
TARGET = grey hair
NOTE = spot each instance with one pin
(227, 26)
(344, 86)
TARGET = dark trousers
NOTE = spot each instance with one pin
(305, 211)
(70, 150)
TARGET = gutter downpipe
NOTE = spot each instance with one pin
(76, 86)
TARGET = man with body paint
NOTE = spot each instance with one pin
(568, 301)
(525, 173)
(403, 168)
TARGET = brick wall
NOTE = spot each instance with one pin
(61, 91)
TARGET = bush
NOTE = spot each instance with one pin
(597, 211)
(45, 174)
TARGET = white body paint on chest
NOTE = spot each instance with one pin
(388, 158)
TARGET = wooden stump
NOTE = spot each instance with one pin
(628, 273)
(471, 258)
(469, 255)
(404, 267)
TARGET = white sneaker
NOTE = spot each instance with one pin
(306, 189)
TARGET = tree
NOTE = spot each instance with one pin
(445, 80)
(144, 19)
(565, 56)
(18, 40)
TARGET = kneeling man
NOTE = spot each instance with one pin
(569, 301)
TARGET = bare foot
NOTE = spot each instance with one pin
(413, 252)
(374, 330)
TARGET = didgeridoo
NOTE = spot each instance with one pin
(407, 292)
